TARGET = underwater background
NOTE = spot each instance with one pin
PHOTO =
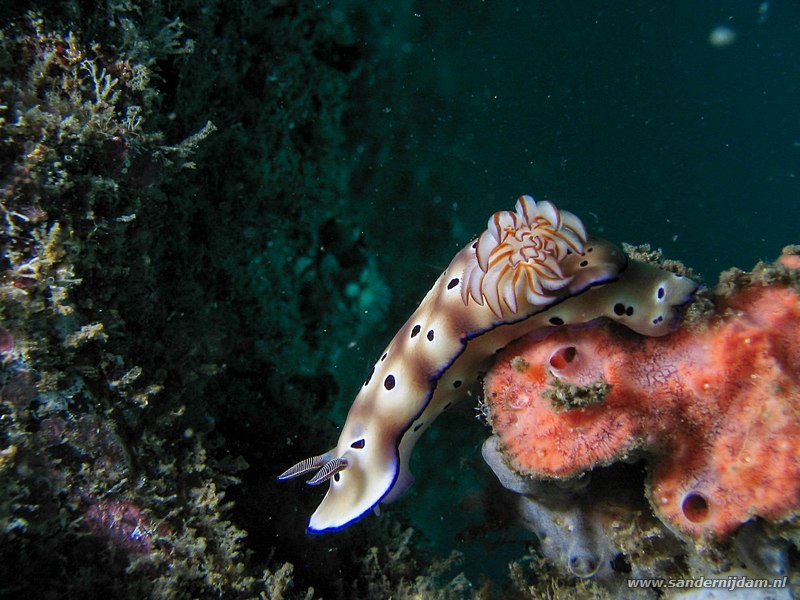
(216, 214)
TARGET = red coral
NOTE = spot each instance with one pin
(715, 409)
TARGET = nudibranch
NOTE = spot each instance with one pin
(532, 270)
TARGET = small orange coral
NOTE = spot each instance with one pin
(715, 409)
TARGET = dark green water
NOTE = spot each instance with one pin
(622, 112)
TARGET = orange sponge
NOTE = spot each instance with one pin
(715, 409)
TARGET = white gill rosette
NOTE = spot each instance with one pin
(518, 258)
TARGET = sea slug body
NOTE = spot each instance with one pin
(532, 270)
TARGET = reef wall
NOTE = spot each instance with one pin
(182, 273)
